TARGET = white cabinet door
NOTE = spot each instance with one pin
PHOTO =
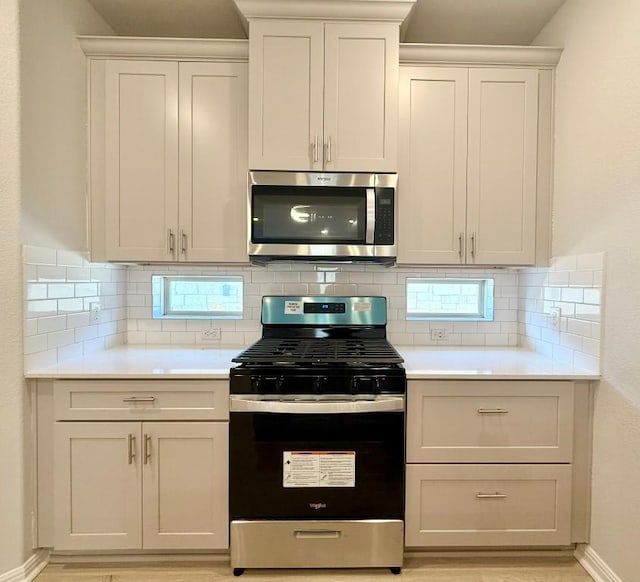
(502, 167)
(97, 486)
(361, 97)
(286, 71)
(468, 166)
(213, 162)
(323, 96)
(185, 485)
(479, 421)
(141, 160)
(432, 165)
(488, 505)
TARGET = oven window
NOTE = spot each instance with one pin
(292, 215)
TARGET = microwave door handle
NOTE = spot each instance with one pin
(371, 216)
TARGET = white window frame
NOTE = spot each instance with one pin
(161, 298)
(485, 300)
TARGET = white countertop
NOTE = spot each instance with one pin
(420, 362)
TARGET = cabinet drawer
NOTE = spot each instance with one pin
(489, 421)
(488, 505)
(141, 399)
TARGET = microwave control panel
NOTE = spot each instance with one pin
(385, 216)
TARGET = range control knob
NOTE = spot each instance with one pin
(280, 383)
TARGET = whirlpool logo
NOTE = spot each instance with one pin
(318, 505)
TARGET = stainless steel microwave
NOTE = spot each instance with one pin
(316, 216)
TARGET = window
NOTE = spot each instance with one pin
(197, 297)
(450, 299)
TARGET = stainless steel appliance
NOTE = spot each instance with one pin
(322, 216)
(317, 438)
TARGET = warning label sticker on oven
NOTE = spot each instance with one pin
(292, 307)
(319, 469)
(361, 306)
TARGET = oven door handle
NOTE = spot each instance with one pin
(258, 404)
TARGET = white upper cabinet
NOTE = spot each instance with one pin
(323, 96)
(169, 160)
(213, 162)
(141, 159)
(502, 166)
(469, 162)
(433, 165)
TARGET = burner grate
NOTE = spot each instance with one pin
(275, 350)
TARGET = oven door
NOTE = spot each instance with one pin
(326, 459)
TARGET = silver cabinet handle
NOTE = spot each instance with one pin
(315, 149)
(493, 411)
(147, 448)
(328, 149)
(131, 448)
(172, 241)
(302, 534)
(460, 239)
(134, 399)
(183, 239)
(495, 495)
(473, 244)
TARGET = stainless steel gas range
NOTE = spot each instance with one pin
(317, 438)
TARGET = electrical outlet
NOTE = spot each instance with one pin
(94, 312)
(554, 317)
(210, 334)
(438, 334)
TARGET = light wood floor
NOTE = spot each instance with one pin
(415, 569)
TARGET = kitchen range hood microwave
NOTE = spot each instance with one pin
(324, 217)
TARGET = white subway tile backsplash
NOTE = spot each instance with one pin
(173, 325)
(33, 255)
(37, 291)
(69, 258)
(35, 343)
(581, 278)
(58, 326)
(60, 290)
(51, 324)
(70, 305)
(570, 294)
(51, 274)
(82, 334)
(573, 284)
(60, 338)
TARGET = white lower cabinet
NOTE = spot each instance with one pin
(132, 485)
(137, 465)
(491, 463)
(488, 505)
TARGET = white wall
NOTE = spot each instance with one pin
(13, 550)
(42, 167)
(54, 121)
(597, 208)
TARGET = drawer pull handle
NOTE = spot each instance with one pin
(493, 411)
(316, 534)
(131, 450)
(135, 399)
(490, 495)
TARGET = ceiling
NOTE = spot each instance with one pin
(435, 21)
